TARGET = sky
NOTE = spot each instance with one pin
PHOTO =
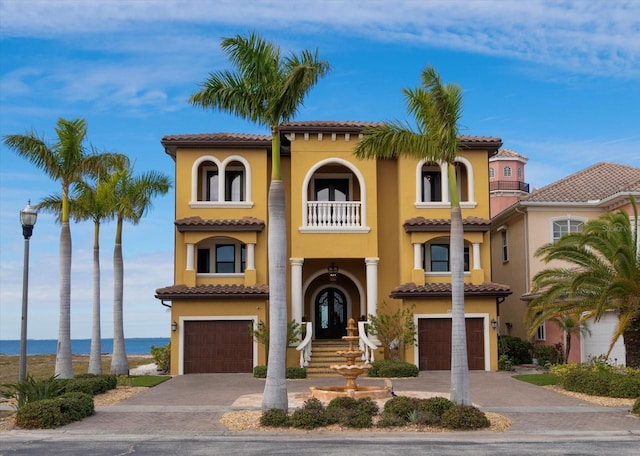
(557, 81)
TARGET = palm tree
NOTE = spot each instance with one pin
(569, 323)
(65, 161)
(93, 201)
(437, 108)
(267, 89)
(131, 199)
(601, 273)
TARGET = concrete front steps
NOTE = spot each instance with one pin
(323, 355)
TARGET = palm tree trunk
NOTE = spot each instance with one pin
(64, 367)
(631, 337)
(119, 362)
(275, 389)
(95, 361)
(460, 392)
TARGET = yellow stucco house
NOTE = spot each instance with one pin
(359, 233)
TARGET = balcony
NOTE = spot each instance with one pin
(509, 185)
(334, 214)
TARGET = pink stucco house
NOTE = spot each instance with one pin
(522, 222)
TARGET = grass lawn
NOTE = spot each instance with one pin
(538, 379)
(44, 366)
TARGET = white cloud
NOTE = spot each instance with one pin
(582, 37)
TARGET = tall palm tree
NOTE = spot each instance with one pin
(131, 200)
(437, 109)
(601, 273)
(268, 89)
(65, 161)
(93, 201)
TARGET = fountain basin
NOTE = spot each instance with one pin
(327, 393)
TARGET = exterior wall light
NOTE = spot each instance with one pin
(174, 326)
(333, 272)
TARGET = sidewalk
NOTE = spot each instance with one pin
(196, 402)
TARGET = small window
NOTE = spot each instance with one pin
(436, 258)
(519, 172)
(541, 333)
(505, 246)
(227, 258)
(507, 171)
(491, 172)
(563, 227)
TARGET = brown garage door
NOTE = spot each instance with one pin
(434, 343)
(217, 346)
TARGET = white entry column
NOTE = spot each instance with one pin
(296, 289)
(372, 285)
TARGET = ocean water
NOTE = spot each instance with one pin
(135, 346)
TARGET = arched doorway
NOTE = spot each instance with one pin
(331, 314)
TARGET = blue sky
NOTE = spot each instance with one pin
(557, 81)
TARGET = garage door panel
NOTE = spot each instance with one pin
(434, 342)
(217, 346)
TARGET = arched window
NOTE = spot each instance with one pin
(220, 183)
(507, 171)
(431, 183)
(491, 172)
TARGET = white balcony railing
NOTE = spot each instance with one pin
(334, 214)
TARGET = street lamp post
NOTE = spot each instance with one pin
(28, 218)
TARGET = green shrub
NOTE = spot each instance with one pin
(42, 414)
(435, 405)
(310, 416)
(547, 354)
(275, 417)
(351, 412)
(400, 406)
(260, 372)
(504, 363)
(464, 417)
(52, 413)
(518, 350)
(599, 379)
(393, 368)
(636, 407)
(76, 406)
(388, 419)
(296, 372)
(162, 357)
(359, 419)
(291, 372)
(422, 417)
(31, 390)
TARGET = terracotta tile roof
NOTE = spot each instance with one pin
(507, 153)
(213, 292)
(197, 223)
(431, 290)
(215, 138)
(235, 140)
(350, 126)
(597, 182)
(424, 224)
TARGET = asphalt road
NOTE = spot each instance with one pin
(38, 444)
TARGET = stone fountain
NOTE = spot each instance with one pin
(351, 371)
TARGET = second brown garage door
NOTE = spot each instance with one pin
(434, 343)
(219, 346)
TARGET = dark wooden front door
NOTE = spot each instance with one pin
(331, 314)
(217, 346)
(434, 340)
